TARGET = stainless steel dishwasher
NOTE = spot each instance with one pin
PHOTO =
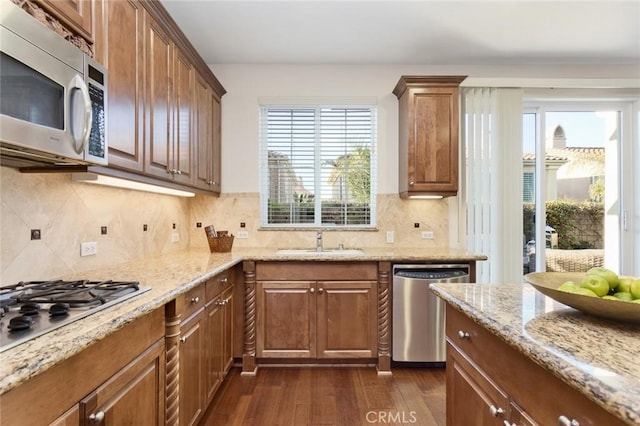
(418, 314)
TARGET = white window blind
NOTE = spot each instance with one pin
(317, 166)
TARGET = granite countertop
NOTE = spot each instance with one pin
(597, 357)
(168, 276)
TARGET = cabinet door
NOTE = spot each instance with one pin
(183, 135)
(347, 319)
(191, 369)
(76, 14)
(123, 55)
(227, 331)
(159, 74)
(216, 158)
(433, 142)
(133, 396)
(472, 398)
(213, 363)
(204, 134)
(286, 326)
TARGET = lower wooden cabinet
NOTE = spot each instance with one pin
(219, 341)
(192, 337)
(201, 347)
(118, 380)
(135, 395)
(315, 318)
(491, 383)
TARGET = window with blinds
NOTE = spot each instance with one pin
(317, 166)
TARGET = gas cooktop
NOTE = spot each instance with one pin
(33, 308)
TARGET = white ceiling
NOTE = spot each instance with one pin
(450, 32)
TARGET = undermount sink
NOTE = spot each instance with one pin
(313, 252)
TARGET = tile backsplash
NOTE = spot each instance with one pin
(393, 214)
(68, 213)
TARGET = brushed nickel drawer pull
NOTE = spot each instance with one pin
(195, 299)
(564, 421)
(495, 411)
(183, 339)
(463, 334)
(97, 417)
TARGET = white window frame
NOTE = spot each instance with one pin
(264, 163)
(621, 251)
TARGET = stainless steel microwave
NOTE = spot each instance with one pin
(52, 96)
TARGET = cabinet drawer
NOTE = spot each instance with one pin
(216, 285)
(193, 300)
(301, 271)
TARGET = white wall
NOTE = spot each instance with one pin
(246, 83)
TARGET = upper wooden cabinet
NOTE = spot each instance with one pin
(121, 50)
(163, 100)
(170, 91)
(428, 134)
(75, 14)
(208, 138)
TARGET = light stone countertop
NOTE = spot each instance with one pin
(597, 357)
(168, 276)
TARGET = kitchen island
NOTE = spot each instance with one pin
(594, 359)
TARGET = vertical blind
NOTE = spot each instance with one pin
(317, 165)
(492, 130)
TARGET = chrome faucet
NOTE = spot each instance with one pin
(319, 240)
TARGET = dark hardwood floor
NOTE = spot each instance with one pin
(349, 396)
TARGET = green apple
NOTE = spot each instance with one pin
(623, 295)
(607, 274)
(635, 288)
(635, 301)
(624, 284)
(568, 287)
(596, 283)
(585, 292)
(609, 297)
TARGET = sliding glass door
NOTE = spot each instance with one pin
(575, 205)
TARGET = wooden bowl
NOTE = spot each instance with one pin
(547, 283)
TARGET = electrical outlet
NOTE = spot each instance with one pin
(390, 237)
(242, 235)
(175, 237)
(427, 235)
(88, 249)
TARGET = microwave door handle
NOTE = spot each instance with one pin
(77, 83)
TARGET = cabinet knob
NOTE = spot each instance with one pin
(564, 421)
(183, 339)
(508, 423)
(320, 290)
(224, 280)
(97, 417)
(178, 172)
(495, 411)
(195, 299)
(411, 183)
(312, 290)
(463, 334)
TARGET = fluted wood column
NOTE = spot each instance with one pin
(384, 320)
(172, 346)
(249, 351)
